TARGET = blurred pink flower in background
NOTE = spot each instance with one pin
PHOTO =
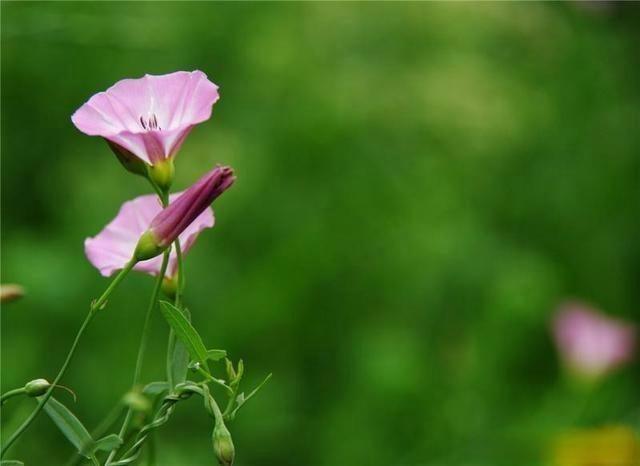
(590, 343)
(113, 247)
(150, 117)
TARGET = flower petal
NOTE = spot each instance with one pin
(149, 116)
(113, 247)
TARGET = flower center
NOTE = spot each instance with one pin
(150, 123)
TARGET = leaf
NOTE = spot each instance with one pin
(70, 426)
(180, 357)
(185, 332)
(11, 463)
(216, 354)
(108, 443)
(156, 388)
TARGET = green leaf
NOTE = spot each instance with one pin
(70, 426)
(185, 332)
(108, 443)
(155, 388)
(11, 463)
(216, 354)
(180, 357)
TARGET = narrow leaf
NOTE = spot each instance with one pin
(70, 426)
(216, 354)
(180, 357)
(108, 443)
(185, 332)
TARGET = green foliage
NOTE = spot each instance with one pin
(185, 332)
(419, 184)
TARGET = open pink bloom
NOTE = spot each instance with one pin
(148, 118)
(113, 247)
(591, 343)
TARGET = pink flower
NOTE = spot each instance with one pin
(113, 247)
(591, 343)
(148, 118)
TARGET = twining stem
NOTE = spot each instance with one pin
(11, 394)
(143, 345)
(95, 307)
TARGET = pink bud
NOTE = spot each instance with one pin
(170, 222)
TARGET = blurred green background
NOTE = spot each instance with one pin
(418, 186)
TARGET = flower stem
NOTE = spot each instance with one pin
(143, 346)
(172, 338)
(180, 273)
(95, 307)
(11, 394)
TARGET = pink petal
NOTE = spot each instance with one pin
(590, 342)
(113, 247)
(174, 102)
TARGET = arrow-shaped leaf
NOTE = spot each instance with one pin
(180, 356)
(185, 332)
(70, 426)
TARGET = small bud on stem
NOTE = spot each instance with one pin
(223, 444)
(37, 387)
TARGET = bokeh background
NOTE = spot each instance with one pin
(419, 186)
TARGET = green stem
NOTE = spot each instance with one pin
(180, 289)
(172, 338)
(95, 307)
(143, 346)
(231, 403)
(11, 394)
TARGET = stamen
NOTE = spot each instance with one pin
(150, 123)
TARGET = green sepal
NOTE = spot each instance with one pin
(161, 173)
(148, 247)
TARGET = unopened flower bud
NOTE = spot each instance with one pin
(136, 401)
(171, 221)
(223, 445)
(10, 292)
(231, 372)
(161, 173)
(36, 387)
(170, 286)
